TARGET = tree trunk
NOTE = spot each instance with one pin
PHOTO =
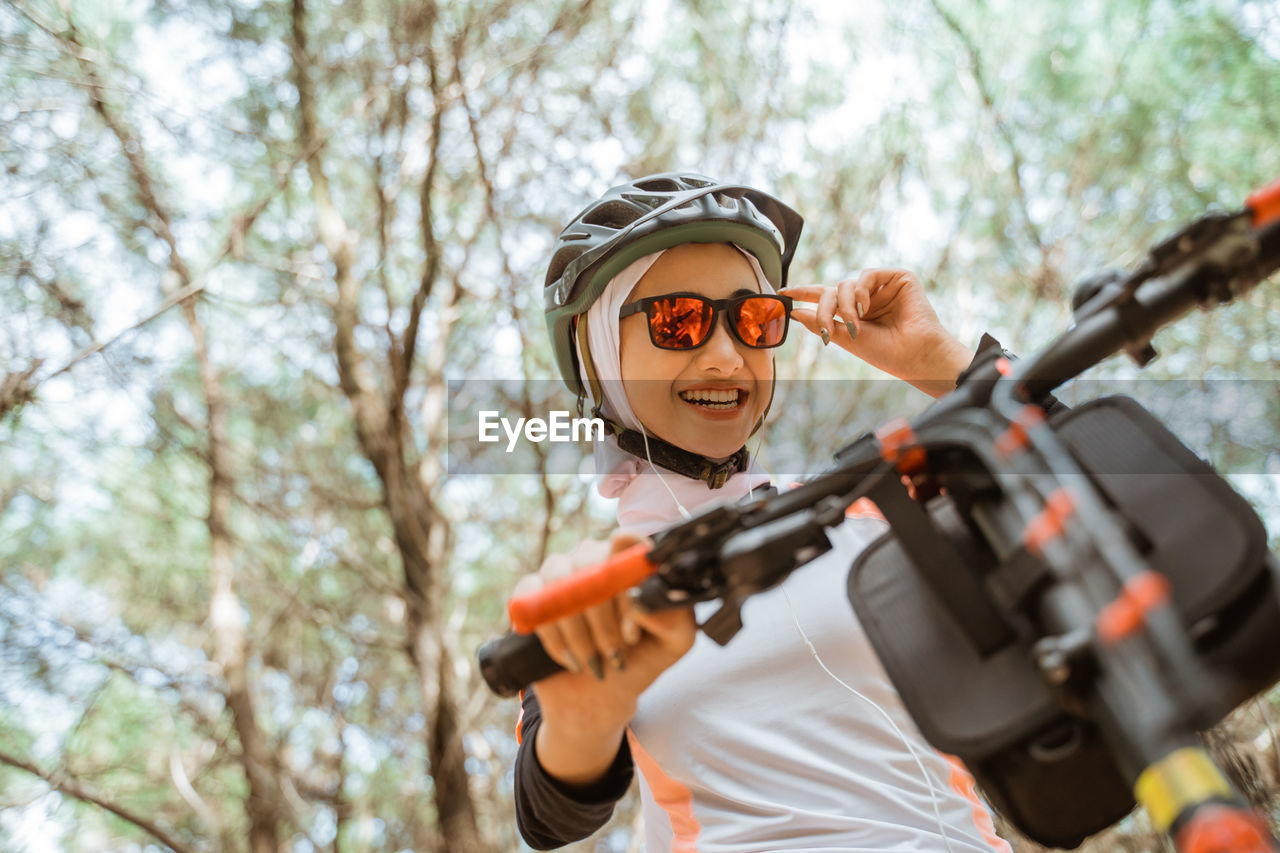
(264, 806)
(230, 646)
(381, 426)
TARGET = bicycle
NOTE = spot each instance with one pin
(1024, 559)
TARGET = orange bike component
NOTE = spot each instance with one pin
(577, 592)
(1050, 523)
(1265, 204)
(1015, 437)
(1224, 829)
(898, 446)
(1128, 611)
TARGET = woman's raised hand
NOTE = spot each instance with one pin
(884, 318)
(611, 653)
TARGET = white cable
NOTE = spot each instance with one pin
(684, 513)
(753, 459)
(933, 792)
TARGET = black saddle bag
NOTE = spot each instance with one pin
(1044, 769)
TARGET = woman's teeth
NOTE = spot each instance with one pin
(712, 399)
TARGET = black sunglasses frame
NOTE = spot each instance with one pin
(718, 307)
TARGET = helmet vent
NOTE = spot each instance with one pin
(611, 214)
(560, 260)
(653, 202)
(658, 185)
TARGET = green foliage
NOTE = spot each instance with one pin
(1003, 149)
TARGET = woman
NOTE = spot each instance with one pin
(664, 308)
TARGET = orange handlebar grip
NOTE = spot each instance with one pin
(576, 593)
(1265, 204)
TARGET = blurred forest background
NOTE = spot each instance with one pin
(245, 243)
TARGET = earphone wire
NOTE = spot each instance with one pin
(684, 513)
(928, 780)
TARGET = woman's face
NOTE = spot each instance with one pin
(680, 395)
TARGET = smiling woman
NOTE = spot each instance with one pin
(666, 299)
(710, 393)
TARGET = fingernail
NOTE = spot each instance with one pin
(853, 330)
(597, 666)
(826, 336)
(573, 665)
(630, 632)
(637, 603)
(618, 660)
(862, 312)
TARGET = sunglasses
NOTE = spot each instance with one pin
(686, 320)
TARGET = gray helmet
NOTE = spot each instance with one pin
(645, 216)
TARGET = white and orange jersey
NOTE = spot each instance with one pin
(753, 747)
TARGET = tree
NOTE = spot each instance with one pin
(245, 247)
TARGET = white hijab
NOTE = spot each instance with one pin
(649, 499)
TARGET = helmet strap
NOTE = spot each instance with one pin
(667, 455)
(588, 371)
(659, 452)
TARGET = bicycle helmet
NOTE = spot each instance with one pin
(647, 215)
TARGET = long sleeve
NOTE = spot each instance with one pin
(548, 813)
(989, 350)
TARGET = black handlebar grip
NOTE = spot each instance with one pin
(513, 662)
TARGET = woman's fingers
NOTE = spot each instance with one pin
(553, 641)
(804, 292)
(595, 634)
(853, 297)
(674, 630)
(598, 637)
(849, 299)
(581, 640)
(628, 627)
(826, 314)
(627, 620)
(819, 320)
(606, 634)
(568, 641)
(845, 334)
(890, 325)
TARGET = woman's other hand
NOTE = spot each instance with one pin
(884, 318)
(611, 653)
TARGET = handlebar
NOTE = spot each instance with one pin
(580, 591)
(1209, 262)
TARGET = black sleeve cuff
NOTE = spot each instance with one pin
(989, 350)
(549, 813)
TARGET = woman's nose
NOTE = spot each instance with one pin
(720, 352)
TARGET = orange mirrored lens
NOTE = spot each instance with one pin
(761, 321)
(679, 322)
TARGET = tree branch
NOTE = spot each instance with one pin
(242, 222)
(73, 789)
(1002, 128)
(431, 269)
(17, 389)
(263, 803)
(383, 431)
